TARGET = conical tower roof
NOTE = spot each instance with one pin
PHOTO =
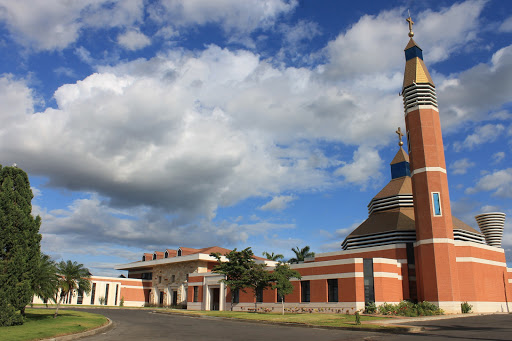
(416, 71)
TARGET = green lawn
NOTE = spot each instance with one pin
(319, 319)
(40, 324)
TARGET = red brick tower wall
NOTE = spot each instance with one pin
(436, 270)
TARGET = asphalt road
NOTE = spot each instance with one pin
(143, 325)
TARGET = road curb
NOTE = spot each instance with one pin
(396, 329)
(101, 329)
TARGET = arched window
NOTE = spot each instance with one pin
(179, 252)
(144, 258)
(154, 256)
(166, 254)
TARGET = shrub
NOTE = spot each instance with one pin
(8, 315)
(101, 300)
(428, 309)
(387, 309)
(465, 307)
(406, 308)
(121, 302)
(370, 308)
(358, 318)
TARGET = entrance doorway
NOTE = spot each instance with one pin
(174, 297)
(161, 298)
(215, 299)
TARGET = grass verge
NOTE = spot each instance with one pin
(329, 320)
(40, 324)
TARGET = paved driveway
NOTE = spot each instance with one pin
(144, 325)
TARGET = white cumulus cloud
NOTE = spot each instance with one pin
(500, 182)
(278, 203)
(133, 40)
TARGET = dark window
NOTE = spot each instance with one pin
(179, 252)
(159, 279)
(106, 293)
(409, 144)
(196, 293)
(117, 289)
(259, 294)
(236, 295)
(166, 254)
(147, 275)
(93, 292)
(80, 297)
(144, 258)
(369, 290)
(154, 256)
(304, 291)
(186, 277)
(332, 290)
(173, 278)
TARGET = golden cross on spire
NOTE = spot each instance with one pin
(400, 134)
(409, 20)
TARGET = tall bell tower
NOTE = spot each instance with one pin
(436, 271)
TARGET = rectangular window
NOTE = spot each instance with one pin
(159, 279)
(236, 295)
(80, 297)
(409, 144)
(93, 292)
(106, 294)
(369, 289)
(117, 289)
(196, 293)
(436, 201)
(173, 278)
(304, 291)
(332, 290)
(259, 295)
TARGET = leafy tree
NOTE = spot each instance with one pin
(301, 254)
(46, 280)
(242, 272)
(236, 269)
(272, 256)
(281, 280)
(72, 276)
(19, 244)
(258, 279)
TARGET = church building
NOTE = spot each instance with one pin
(409, 248)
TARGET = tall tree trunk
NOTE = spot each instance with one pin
(58, 305)
(282, 303)
(232, 299)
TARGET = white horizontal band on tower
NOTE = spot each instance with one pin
(428, 169)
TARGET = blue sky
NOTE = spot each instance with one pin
(147, 125)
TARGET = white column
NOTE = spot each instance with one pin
(222, 296)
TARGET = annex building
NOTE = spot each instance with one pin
(409, 248)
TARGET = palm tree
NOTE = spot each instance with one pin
(272, 256)
(46, 280)
(301, 254)
(72, 276)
